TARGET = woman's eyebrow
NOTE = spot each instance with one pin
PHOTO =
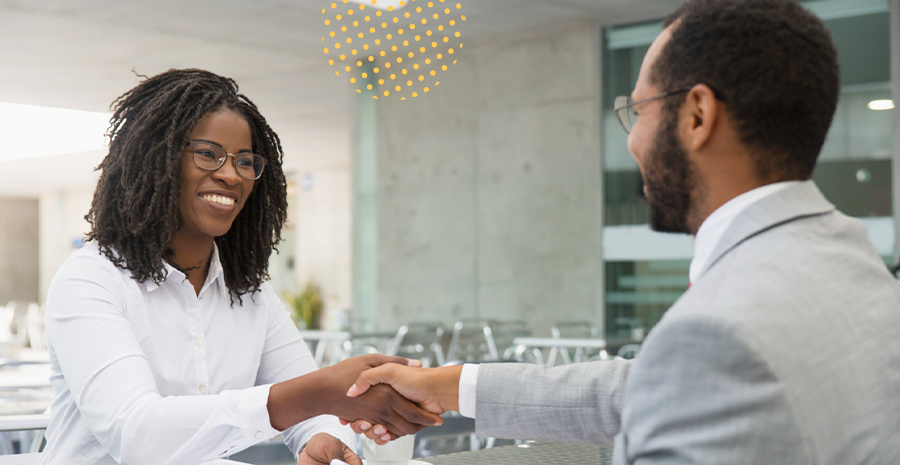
(209, 142)
(220, 145)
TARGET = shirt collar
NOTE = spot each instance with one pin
(717, 222)
(215, 273)
(215, 270)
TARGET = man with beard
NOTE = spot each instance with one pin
(786, 348)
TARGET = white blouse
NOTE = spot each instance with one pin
(147, 374)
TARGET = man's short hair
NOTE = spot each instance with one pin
(772, 63)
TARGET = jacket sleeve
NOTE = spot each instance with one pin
(581, 402)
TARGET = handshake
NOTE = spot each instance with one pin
(380, 396)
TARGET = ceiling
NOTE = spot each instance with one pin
(82, 54)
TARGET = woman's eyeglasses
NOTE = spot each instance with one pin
(209, 156)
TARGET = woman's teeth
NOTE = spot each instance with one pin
(219, 199)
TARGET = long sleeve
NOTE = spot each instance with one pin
(113, 386)
(581, 402)
(287, 356)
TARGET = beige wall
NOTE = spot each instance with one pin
(489, 188)
(321, 224)
(62, 224)
(18, 250)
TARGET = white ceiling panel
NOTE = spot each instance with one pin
(80, 54)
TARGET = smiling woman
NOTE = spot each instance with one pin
(167, 344)
(134, 216)
(213, 192)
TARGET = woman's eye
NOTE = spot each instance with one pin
(245, 163)
(206, 154)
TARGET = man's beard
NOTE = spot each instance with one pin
(669, 179)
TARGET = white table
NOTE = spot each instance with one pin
(30, 376)
(317, 335)
(33, 459)
(560, 346)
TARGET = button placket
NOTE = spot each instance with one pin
(195, 326)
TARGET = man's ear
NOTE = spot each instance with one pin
(702, 112)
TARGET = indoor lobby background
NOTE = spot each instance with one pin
(507, 192)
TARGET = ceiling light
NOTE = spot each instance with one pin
(881, 105)
(31, 131)
(382, 4)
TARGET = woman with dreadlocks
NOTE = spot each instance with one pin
(167, 344)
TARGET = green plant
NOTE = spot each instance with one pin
(306, 307)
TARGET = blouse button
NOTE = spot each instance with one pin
(259, 435)
(201, 388)
(198, 341)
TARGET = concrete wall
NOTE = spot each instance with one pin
(489, 188)
(321, 222)
(18, 250)
(62, 228)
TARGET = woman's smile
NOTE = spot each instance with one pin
(210, 200)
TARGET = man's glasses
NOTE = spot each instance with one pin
(624, 107)
(209, 156)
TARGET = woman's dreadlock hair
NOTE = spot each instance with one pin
(135, 208)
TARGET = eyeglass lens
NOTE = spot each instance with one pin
(211, 157)
(625, 112)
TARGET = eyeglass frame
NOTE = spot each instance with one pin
(221, 161)
(617, 109)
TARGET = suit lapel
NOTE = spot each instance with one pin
(797, 201)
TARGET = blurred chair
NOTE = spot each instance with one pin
(329, 346)
(419, 341)
(34, 326)
(6, 316)
(20, 459)
(23, 321)
(576, 330)
(472, 340)
(19, 316)
(505, 332)
(352, 348)
(16, 315)
(490, 340)
(631, 328)
(23, 423)
(629, 351)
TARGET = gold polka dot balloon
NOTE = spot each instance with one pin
(421, 48)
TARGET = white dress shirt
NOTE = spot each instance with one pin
(708, 236)
(147, 374)
(712, 229)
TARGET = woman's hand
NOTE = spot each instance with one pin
(324, 391)
(434, 389)
(379, 434)
(323, 448)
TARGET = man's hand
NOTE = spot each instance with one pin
(434, 389)
(323, 448)
(324, 392)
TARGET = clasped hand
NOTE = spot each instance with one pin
(434, 389)
(377, 405)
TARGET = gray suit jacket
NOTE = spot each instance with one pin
(785, 351)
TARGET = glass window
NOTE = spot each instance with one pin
(646, 271)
